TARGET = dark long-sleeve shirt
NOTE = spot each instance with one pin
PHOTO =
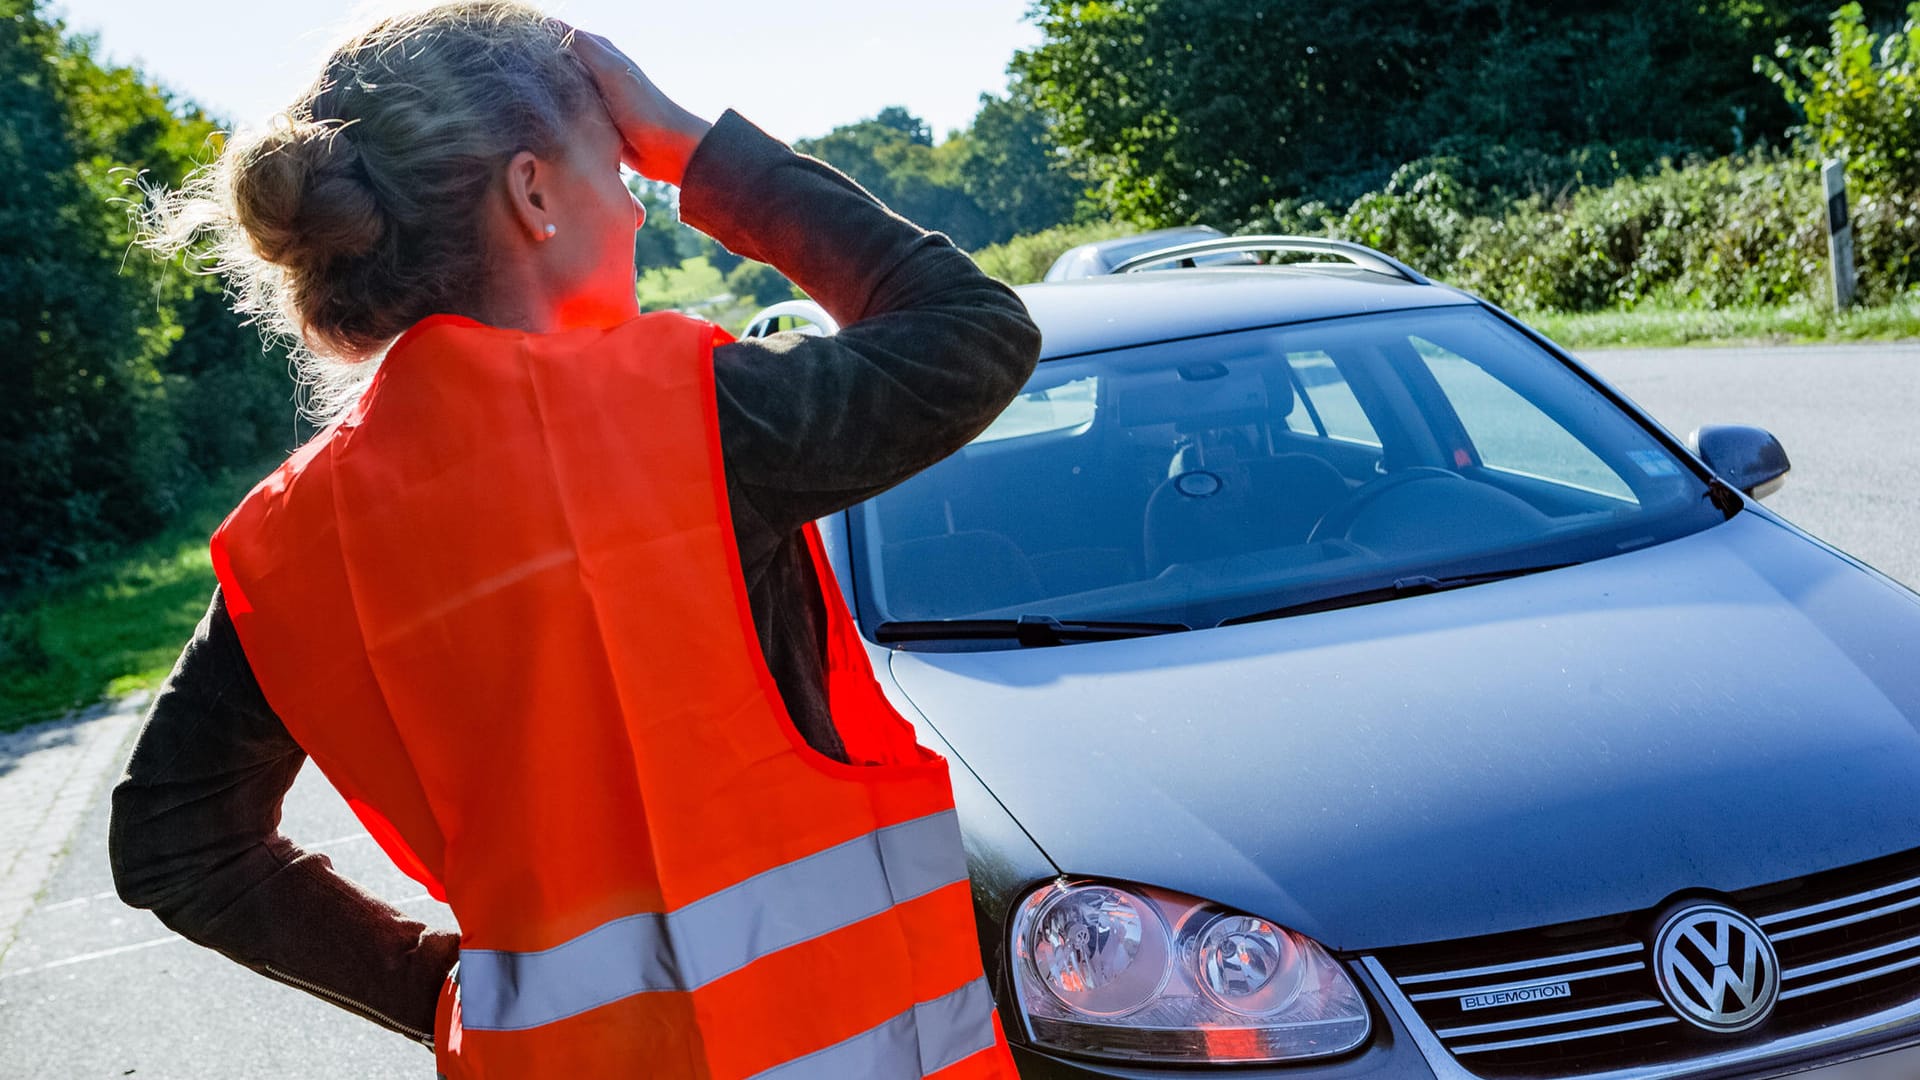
(930, 352)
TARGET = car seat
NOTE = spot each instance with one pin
(1227, 505)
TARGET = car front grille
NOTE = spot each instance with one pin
(1581, 999)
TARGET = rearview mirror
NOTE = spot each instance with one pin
(1747, 458)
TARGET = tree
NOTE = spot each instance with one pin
(1860, 95)
(870, 150)
(1212, 110)
(897, 118)
(212, 396)
(67, 389)
(760, 283)
(1001, 177)
(893, 156)
(657, 245)
(1014, 170)
(126, 381)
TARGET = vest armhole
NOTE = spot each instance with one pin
(927, 763)
(230, 591)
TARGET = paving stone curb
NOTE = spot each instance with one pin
(49, 775)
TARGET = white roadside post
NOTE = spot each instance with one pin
(1839, 235)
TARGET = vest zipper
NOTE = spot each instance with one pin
(358, 1007)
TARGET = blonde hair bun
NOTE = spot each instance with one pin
(304, 200)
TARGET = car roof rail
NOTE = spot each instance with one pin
(820, 323)
(1358, 254)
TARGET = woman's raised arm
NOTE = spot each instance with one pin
(929, 353)
(930, 350)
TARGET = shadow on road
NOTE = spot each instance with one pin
(17, 746)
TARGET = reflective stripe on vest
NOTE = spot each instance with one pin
(713, 936)
(919, 1042)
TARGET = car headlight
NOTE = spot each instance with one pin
(1143, 974)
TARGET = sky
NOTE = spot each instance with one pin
(797, 68)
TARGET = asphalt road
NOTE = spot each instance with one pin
(1847, 415)
(92, 989)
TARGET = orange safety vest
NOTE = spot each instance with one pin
(500, 605)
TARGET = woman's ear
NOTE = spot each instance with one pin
(529, 197)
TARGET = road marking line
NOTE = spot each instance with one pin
(61, 767)
(80, 900)
(136, 946)
(101, 955)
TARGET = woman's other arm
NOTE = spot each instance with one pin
(195, 837)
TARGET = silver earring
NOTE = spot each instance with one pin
(551, 229)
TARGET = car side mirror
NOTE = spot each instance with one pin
(1747, 458)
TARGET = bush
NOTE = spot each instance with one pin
(1730, 233)
(1024, 259)
(1735, 232)
(1860, 95)
(20, 646)
(1417, 217)
(1886, 240)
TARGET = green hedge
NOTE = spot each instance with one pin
(1025, 259)
(1738, 232)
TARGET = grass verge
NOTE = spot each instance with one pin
(680, 286)
(116, 626)
(698, 288)
(1651, 327)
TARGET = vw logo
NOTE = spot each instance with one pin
(1716, 968)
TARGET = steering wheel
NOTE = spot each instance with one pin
(1336, 522)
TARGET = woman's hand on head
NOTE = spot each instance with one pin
(660, 136)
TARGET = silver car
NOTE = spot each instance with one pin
(1342, 681)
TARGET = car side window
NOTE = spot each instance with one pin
(1330, 400)
(1510, 433)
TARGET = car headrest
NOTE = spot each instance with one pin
(1196, 397)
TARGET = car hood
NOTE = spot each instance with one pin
(1729, 709)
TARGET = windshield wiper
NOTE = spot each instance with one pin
(1028, 630)
(1415, 585)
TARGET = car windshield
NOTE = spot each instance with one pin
(1202, 481)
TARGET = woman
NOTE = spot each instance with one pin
(543, 602)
